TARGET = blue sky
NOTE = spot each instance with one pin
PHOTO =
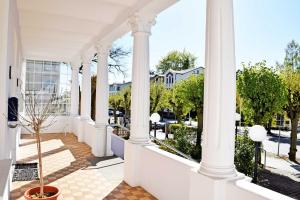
(262, 30)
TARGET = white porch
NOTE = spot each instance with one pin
(72, 32)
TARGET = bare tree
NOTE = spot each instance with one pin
(116, 62)
(35, 120)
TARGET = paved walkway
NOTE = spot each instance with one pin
(70, 166)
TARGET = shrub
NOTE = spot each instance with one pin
(196, 152)
(173, 127)
(244, 155)
(183, 140)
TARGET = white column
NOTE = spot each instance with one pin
(86, 90)
(102, 95)
(4, 82)
(220, 91)
(102, 90)
(85, 107)
(140, 98)
(75, 89)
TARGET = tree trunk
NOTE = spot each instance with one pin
(38, 142)
(115, 116)
(199, 127)
(293, 140)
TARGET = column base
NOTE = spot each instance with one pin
(217, 172)
(81, 132)
(215, 188)
(73, 121)
(141, 141)
(100, 140)
(109, 131)
(132, 163)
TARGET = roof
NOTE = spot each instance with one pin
(183, 71)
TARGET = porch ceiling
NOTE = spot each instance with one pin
(61, 30)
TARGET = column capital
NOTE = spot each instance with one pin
(141, 23)
(102, 48)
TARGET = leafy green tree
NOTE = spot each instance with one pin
(126, 101)
(176, 60)
(115, 102)
(192, 90)
(157, 91)
(176, 102)
(262, 92)
(290, 73)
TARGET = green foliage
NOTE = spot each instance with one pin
(174, 127)
(115, 102)
(262, 91)
(290, 74)
(183, 139)
(244, 155)
(176, 60)
(176, 102)
(126, 100)
(192, 91)
(196, 152)
(157, 92)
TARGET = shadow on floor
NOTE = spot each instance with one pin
(80, 151)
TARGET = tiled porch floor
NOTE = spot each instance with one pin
(70, 165)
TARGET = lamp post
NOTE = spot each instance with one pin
(117, 114)
(237, 120)
(258, 134)
(155, 117)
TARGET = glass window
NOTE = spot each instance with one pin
(38, 66)
(46, 77)
(29, 66)
(48, 66)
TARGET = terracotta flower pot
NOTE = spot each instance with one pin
(47, 188)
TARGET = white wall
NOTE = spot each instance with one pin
(61, 124)
(10, 55)
(89, 133)
(168, 176)
(249, 191)
(165, 175)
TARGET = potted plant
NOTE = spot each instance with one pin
(34, 120)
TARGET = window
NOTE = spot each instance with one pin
(47, 78)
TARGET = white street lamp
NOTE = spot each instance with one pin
(258, 134)
(155, 117)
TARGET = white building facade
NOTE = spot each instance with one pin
(172, 76)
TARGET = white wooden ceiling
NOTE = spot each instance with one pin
(61, 30)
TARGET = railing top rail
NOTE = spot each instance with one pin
(173, 149)
(158, 141)
(118, 125)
